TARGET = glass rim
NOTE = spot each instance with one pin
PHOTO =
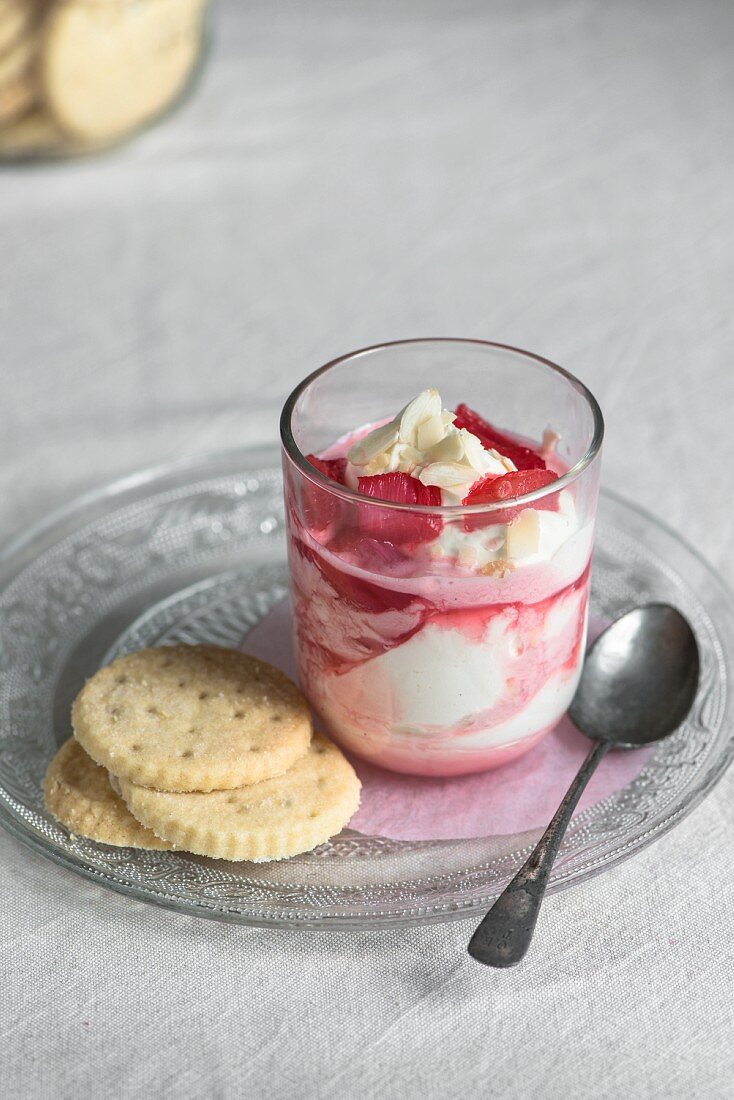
(314, 475)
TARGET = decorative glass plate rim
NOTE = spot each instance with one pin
(206, 464)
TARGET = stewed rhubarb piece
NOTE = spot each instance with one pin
(319, 506)
(493, 439)
(399, 528)
(508, 487)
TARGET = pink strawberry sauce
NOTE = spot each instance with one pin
(412, 661)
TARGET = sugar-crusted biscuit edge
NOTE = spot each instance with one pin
(259, 845)
(109, 822)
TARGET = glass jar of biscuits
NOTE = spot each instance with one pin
(81, 75)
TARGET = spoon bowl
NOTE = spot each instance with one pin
(639, 679)
(638, 683)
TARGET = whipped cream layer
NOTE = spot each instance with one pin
(424, 679)
(446, 699)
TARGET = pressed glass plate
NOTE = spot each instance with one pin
(195, 552)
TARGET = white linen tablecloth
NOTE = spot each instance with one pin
(555, 174)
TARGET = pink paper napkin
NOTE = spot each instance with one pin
(517, 797)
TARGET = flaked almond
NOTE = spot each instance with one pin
(406, 456)
(549, 444)
(449, 449)
(422, 408)
(430, 432)
(374, 443)
(508, 464)
(483, 459)
(473, 450)
(523, 534)
(447, 475)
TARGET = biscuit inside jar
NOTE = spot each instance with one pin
(79, 75)
(109, 67)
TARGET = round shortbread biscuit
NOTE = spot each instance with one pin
(16, 18)
(79, 795)
(109, 68)
(271, 820)
(192, 718)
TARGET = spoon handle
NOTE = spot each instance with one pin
(504, 935)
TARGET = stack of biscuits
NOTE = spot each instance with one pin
(77, 75)
(18, 26)
(199, 749)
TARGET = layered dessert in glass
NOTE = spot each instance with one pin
(440, 500)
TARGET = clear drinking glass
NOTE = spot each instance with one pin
(412, 655)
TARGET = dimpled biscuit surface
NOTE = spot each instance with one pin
(192, 718)
(79, 795)
(275, 819)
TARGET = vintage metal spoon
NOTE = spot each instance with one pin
(638, 684)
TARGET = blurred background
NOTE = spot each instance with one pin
(554, 174)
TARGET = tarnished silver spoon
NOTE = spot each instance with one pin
(638, 684)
